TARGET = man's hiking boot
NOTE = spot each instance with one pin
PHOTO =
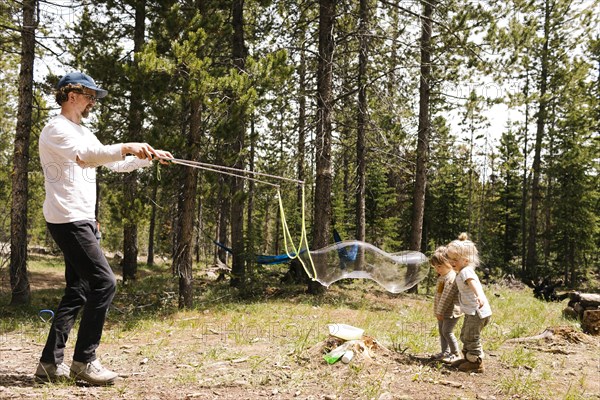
(48, 372)
(93, 373)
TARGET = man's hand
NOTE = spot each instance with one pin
(163, 156)
(81, 163)
(140, 150)
(145, 151)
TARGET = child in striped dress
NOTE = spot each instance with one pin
(447, 316)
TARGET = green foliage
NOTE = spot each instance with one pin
(447, 196)
(9, 67)
(504, 237)
(36, 231)
(8, 99)
(474, 183)
(576, 224)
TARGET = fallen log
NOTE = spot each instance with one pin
(589, 300)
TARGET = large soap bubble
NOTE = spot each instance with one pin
(396, 272)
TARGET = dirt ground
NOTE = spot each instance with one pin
(183, 365)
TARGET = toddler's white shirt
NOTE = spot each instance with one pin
(466, 296)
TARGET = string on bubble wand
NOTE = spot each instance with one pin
(287, 236)
(223, 170)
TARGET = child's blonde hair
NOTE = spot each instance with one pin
(439, 256)
(463, 247)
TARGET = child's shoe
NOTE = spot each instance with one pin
(451, 358)
(469, 366)
(439, 356)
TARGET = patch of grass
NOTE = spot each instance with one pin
(355, 380)
(522, 384)
(293, 318)
(519, 357)
(216, 353)
(516, 314)
(575, 394)
(576, 391)
(520, 314)
(186, 376)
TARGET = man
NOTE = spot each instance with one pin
(69, 154)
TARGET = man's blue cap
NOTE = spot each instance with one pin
(79, 78)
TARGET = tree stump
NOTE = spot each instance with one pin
(590, 323)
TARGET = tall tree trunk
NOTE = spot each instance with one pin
(223, 225)
(525, 180)
(547, 208)
(250, 207)
(301, 163)
(152, 229)
(424, 132)
(485, 190)
(424, 128)
(200, 222)
(301, 123)
(470, 188)
(361, 152)
(507, 237)
(238, 268)
(296, 272)
(136, 117)
(572, 265)
(182, 262)
(323, 182)
(349, 192)
(19, 280)
(532, 258)
(362, 121)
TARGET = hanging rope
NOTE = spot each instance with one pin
(287, 236)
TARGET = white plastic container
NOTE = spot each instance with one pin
(346, 332)
(347, 357)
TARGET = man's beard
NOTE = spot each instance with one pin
(86, 112)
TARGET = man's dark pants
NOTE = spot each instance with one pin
(91, 285)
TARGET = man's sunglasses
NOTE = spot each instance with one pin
(90, 97)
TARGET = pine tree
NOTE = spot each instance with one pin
(323, 181)
(447, 196)
(134, 134)
(9, 65)
(238, 118)
(424, 128)
(19, 280)
(574, 224)
(509, 201)
(546, 28)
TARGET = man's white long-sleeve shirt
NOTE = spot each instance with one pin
(71, 188)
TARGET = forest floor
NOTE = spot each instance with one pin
(271, 346)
